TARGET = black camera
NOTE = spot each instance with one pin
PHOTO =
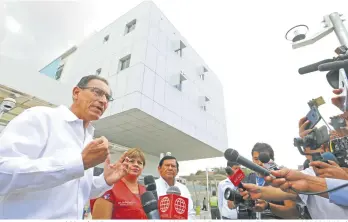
(238, 200)
(337, 122)
(339, 148)
(314, 139)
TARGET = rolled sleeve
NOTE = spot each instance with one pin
(339, 197)
(99, 186)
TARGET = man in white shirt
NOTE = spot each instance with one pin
(168, 168)
(47, 157)
(227, 208)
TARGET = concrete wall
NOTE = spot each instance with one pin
(147, 84)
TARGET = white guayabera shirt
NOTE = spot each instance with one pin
(41, 169)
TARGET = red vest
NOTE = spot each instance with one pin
(126, 205)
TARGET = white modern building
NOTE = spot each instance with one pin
(166, 98)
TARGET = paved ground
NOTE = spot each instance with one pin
(204, 215)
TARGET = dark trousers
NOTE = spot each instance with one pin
(246, 214)
(204, 207)
(215, 213)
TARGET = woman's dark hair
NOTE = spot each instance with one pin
(263, 148)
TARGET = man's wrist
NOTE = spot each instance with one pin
(316, 184)
(106, 181)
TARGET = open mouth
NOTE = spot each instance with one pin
(99, 108)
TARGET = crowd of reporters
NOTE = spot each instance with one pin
(319, 191)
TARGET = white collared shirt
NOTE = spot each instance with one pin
(320, 207)
(222, 202)
(162, 187)
(41, 169)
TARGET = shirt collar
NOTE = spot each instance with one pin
(69, 116)
(166, 184)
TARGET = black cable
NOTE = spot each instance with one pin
(321, 192)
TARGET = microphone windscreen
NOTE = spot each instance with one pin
(229, 171)
(264, 157)
(148, 201)
(329, 156)
(231, 155)
(174, 190)
(149, 179)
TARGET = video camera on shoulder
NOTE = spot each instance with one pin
(339, 148)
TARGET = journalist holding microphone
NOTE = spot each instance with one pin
(47, 157)
(308, 180)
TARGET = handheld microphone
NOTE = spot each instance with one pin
(329, 156)
(150, 205)
(333, 65)
(172, 205)
(233, 155)
(150, 185)
(229, 171)
(306, 164)
(174, 190)
(268, 163)
(313, 67)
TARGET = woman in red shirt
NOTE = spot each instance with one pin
(123, 200)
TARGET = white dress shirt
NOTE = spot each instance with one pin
(222, 202)
(162, 187)
(320, 207)
(41, 169)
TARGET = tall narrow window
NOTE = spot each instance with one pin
(203, 102)
(98, 71)
(202, 74)
(124, 63)
(106, 39)
(180, 49)
(130, 26)
(59, 72)
(177, 80)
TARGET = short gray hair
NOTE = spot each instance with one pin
(86, 79)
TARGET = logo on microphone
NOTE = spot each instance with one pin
(180, 206)
(164, 204)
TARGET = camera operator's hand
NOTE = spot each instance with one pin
(302, 124)
(332, 170)
(260, 205)
(251, 191)
(95, 152)
(286, 179)
(338, 100)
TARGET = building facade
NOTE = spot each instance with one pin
(166, 98)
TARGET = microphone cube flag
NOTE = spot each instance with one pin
(172, 206)
(237, 177)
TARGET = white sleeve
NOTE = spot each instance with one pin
(191, 210)
(220, 197)
(21, 142)
(99, 186)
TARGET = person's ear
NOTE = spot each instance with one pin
(75, 92)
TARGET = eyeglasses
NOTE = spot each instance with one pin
(99, 92)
